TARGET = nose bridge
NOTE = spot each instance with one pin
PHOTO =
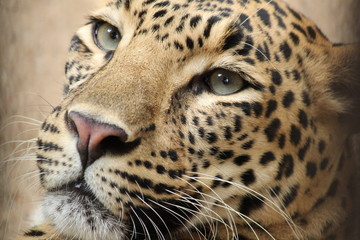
(131, 85)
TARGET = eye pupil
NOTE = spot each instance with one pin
(113, 33)
(224, 79)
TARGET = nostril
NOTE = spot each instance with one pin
(71, 125)
(96, 138)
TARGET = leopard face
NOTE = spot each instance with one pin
(196, 120)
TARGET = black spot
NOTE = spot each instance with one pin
(163, 154)
(306, 98)
(299, 28)
(311, 169)
(176, 7)
(201, 132)
(271, 107)
(264, 16)
(288, 99)
(257, 108)
(275, 191)
(168, 21)
(195, 121)
(178, 46)
(217, 181)
(155, 27)
(290, 197)
(233, 39)
(242, 137)
(245, 107)
(303, 119)
(181, 134)
(174, 174)
(147, 2)
(296, 75)
(262, 53)
(248, 45)
(209, 121)
(318, 202)
(266, 158)
(211, 137)
(302, 151)
(240, 160)
(272, 89)
(272, 129)
(162, 4)
(173, 155)
(227, 133)
(191, 150)
(183, 119)
(295, 14)
(223, 155)
(286, 50)
(276, 77)
(160, 169)
(245, 22)
(159, 13)
(194, 21)
(250, 203)
(189, 43)
(333, 188)
(294, 38)
(321, 146)
(206, 164)
(34, 233)
(148, 164)
(200, 42)
(324, 163)
(180, 28)
(281, 141)
(210, 22)
(295, 135)
(249, 61)
(214, 150)
(237, 123)
(281, 23)
(311, 32)
(286, 167)
(247, 145)
(191, 138)
(248, 177)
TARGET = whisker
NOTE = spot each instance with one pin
(176, 215)
(257, 195)
(168, 230)
(143, 225)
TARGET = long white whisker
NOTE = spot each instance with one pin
(168, 230)
(177, 216)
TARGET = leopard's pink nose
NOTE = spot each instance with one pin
(94, 137)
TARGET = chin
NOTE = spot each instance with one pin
(82, 217)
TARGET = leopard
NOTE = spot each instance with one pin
(201, 119)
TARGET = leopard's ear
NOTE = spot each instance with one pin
(345, 83)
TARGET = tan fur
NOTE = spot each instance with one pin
(143, 113)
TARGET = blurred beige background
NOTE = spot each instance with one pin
(34, 39)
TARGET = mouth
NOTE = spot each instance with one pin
(75, 211)
(74, 208)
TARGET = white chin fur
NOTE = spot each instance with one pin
(79, 218)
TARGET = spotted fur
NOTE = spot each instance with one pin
(272, 161)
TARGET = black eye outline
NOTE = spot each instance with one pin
(95, 31)
(207, 81)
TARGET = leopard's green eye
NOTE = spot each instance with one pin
(106, 36)
(224, 82)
